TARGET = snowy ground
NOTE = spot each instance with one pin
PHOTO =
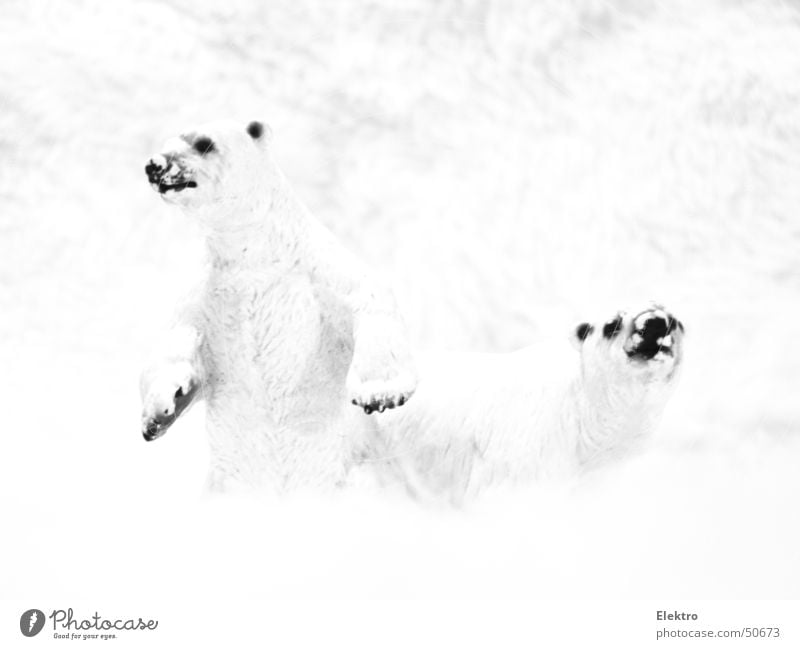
(513, 169)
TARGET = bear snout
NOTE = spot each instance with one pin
(155, 168)
(167, 173)
(653, 332)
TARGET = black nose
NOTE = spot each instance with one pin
(154, 171)
(656, 327)
(674, 324)
(652, 333)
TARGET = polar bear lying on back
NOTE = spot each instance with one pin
(545, 411)
(286, 330)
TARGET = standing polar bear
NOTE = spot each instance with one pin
(287, 330)
(545, 411)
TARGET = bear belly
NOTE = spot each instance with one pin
(277, 352)
(478, 420)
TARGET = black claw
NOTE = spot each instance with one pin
(354, 402)
(401, 401)
(390, 405)
(368, 409)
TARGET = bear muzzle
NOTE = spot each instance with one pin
(164, 173)
(654, 332)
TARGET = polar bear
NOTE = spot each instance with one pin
(284, 333)
(542, 412)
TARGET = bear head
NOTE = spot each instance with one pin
(220, 171)
(641, 345)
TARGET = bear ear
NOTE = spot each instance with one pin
(582, 332)
(259, 131)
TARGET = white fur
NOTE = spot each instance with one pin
(547, 411)
(288, 328)
(285, 331)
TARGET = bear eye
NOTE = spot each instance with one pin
(583, 331)
(255, 130)
(612, 328)
(203, 145)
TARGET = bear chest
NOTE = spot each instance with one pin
(272, 336)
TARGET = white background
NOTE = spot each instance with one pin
(513, 168)
(509, 624)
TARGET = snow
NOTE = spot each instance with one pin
(515, 169)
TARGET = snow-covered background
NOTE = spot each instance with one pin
(514, 167)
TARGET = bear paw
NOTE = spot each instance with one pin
(169, 393)
(382, 373)
(379, 395)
